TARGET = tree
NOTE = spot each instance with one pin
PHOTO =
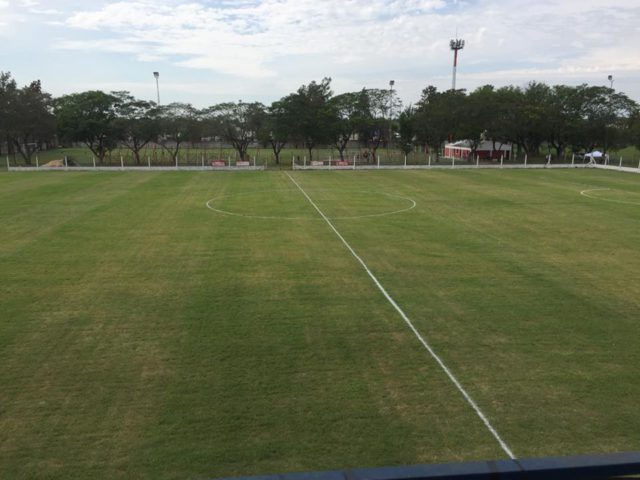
(26, 117)
(407, 129)
(239, 123)
(277, 128)
(312, 115)
(8, 94)
(90, 118)
(177, 123)
(438, 116)
(350, 112)
(607, 116)
(138, 121)
(534, 116)
(373, 127)
(478, 110)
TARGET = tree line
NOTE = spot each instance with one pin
(561, 117)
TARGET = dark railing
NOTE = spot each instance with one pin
(586, 467)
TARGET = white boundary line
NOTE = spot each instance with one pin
(585, 193)
(435, 356)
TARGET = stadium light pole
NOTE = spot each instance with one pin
(456, 44)
(391, 84)
(610, 78)
(157, 76)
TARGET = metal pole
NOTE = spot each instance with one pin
(477, 160)
(149, 161)
(391, 83)
(121, 163)
(501, 160)
(94, 161)
(157, 75)
(378, 161)
(573, 159)
(525, 159)
(429, 160)
(405, 161)
(9, 166)
(620, 162)
(66, 165)
(37, 163)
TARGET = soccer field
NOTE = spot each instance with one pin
(194, 325)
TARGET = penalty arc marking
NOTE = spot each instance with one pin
(415, 331)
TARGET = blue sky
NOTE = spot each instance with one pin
(211, 51)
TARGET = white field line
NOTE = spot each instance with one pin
(264, 217)
(585, 193)
(426, 345)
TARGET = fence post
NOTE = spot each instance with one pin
(121, 163)
(501, 160)
(405, 161)
(477, 159)
(66, 164)
(619, 166)
(525, 159)
(254, 161)
(354, 162)
(573, 159)
(429, 160)
(37, 162)
(453, 163)
(378, 161)
(9, 166)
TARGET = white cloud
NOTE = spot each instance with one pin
(267, 44)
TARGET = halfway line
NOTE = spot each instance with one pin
(393, 303)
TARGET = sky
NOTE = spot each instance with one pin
(210, 51)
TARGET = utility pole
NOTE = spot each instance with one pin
(456, 44)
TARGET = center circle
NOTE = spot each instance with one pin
(612, 195)
(289, 204)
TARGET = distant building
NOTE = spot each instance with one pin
(462, 149)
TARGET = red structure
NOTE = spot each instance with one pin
(485, 151)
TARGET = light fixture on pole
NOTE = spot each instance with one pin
(157, 76)
(610, 78)
(456, 44)
(391, 84)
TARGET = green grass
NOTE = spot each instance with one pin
(143, 335)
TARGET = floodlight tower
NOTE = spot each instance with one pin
(391, 84)
(456, 44)
(610, 78)
(157, 76)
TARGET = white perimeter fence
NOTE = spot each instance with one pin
(320, 165)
